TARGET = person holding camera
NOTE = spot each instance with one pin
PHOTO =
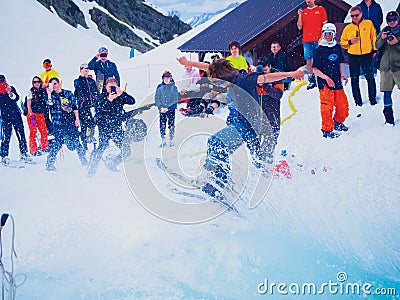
(109, 117)
(103, 69)
(64, 113)
(389, 66)
(11, 116)
(359, 38)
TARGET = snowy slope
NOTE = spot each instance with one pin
(80, 238)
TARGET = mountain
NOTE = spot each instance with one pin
(120, 20)
(198, 20)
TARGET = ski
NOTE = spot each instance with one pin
(218, 198)
(186, 194)
(14, 164)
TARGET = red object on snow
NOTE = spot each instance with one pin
(284, 169)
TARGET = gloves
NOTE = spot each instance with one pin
(274, 93)
(209, 110)
(33, 120)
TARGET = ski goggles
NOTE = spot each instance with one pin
(391, 19)
(47, 65)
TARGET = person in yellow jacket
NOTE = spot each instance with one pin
(237, 61)
(48, 72)
(359, 38)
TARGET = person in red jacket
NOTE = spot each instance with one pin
(311, 19)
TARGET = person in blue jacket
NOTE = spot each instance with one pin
(103, 68)
(371, 10)
(11, 115)
(166, 99)
(244, 123)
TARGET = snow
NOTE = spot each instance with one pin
(81, 238)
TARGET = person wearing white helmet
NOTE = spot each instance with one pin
(328, 67)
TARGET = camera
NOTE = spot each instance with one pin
(390, 36)
(113, 89)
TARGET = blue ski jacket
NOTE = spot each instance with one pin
(373, 13)
(166, 96)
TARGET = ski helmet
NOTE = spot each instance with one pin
(329, 28)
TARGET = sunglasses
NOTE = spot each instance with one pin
(36, 82)
(355, 16)
(103, 54)
(391, 20)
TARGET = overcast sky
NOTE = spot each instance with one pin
(193, 7)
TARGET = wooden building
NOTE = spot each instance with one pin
(257, 23)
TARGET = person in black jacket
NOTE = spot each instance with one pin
(86, 96)
(11, 116)
(166, 99)
(279, 61)
(109, 117)
(36, 116)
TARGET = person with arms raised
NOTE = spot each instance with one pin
(109, 116)
(245, 119)
(103, 68)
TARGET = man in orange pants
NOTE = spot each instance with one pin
(328, 66)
